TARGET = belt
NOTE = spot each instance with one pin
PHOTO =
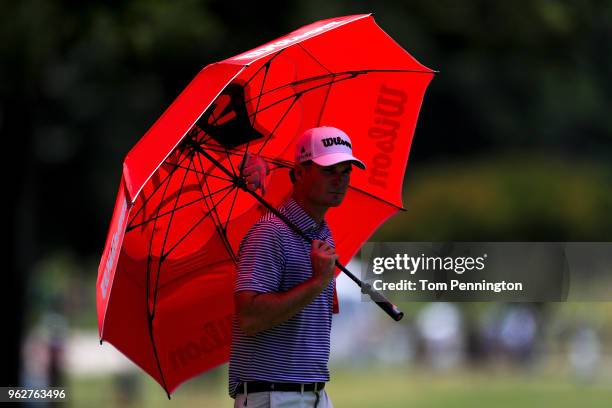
(264, 386)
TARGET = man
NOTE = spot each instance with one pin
(285, 288)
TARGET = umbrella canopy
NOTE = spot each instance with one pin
(166, 277)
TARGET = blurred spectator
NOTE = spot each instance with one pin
(43, 352)
(584, 353)
(397, 346)
(517, 335)
(440, 326)
(127, 389)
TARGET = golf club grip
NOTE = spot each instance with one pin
(378, 298)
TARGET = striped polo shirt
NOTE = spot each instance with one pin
(273, 258)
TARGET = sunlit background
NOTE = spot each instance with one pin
(513, 143)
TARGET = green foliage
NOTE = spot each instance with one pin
(512, 197)
(92, 77)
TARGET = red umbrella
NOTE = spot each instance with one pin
(165, 281)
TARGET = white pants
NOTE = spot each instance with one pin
(282, 399)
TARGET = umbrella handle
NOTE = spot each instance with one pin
(378, 298)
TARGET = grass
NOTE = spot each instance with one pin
(461, 389)
(378, 387)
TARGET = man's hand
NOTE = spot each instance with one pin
(254, 171)
(323, 258)
(261, 311)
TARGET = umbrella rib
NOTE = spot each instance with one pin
(324, 103)
(263, 83)
(328, 88)
(222, 233)
(230, 162)
(351, 74)
(197, 200)
(212, 113)
(162, 255)
(152, 315)
(208, 213)
(296, 82)
(242, 163)
(296, 97)
(209, 209)
(244, 156)
(206, 174)
(314, 58)
(278, 166)
(234, 174)
(333, 81)
(358, 190)
(237, 152)
(161, 259)
(229, 213)
(196, 131)
(267, 63)
(149, 313)
(208, 141)
(149, 255)
(217, 222)
(287, 164)
(214, 206)
(161, 373)
(161, 183)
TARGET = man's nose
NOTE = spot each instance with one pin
(340, 179)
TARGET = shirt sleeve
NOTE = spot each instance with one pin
(260, 259)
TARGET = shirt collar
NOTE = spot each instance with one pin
(300, 217)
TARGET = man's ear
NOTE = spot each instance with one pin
(298, 172)
(292, 176)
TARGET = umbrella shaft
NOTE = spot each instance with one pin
(377, 297)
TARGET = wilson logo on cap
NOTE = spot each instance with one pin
(330, 141)
(325, 146)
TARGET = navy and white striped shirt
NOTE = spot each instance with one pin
(273, 258)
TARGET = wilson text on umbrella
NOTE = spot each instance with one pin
(389, 107)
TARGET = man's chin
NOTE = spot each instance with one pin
(336, 202)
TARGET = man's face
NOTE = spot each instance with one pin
(324, 186)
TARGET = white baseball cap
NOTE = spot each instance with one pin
(326, 146)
